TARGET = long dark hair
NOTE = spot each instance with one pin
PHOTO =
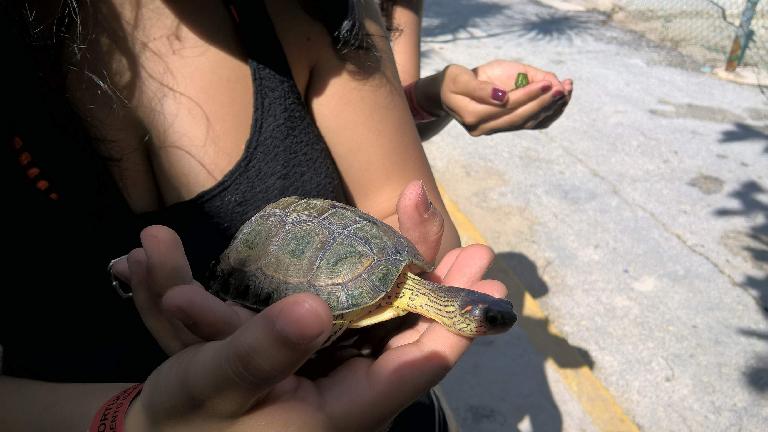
(343, 20)
(55, 40)
(46, 47)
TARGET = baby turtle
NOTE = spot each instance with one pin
(364, 269)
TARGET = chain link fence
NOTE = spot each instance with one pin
(701, 29)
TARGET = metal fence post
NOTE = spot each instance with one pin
(743, 36)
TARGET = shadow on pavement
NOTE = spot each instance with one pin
(502, 382)
(745, 132)
(444, 17)
(464, 19)
(755, 247)
(519, 274)
(741, 131)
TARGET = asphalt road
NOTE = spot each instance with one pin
(636, 229)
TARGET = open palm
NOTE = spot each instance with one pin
(233, 369)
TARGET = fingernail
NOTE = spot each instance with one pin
(546, 88)
(114, 261)
(301, 323)
(557, 94)
(425, 205)
(498, 94)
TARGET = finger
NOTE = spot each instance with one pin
(444, 265)
(363, 393)
(557, 85)
(462, 81)
(161, 264)
(232, 374)
(524, 116)
(549, 119)
(475, 117)
(410, 334)
(170, 335)
(469, 266)
(166, 262)
(540, 117)
(491, 287)
(201, 313)
(419, 221)
(568, 84)
(120, 270)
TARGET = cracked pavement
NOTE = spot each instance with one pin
(638, 221)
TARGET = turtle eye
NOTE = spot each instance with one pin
(475, 311)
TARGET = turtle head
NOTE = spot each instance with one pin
(485, 315)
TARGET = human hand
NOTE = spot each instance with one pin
(484, 100)
(156, 272)
(246, 379)
(178, 321)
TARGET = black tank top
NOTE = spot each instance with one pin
(284, 155)
(60, 320)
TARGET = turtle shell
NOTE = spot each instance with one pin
(348, 258)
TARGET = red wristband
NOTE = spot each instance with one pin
(111, 416)
(417, 111)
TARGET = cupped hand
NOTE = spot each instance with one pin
(245, 380)
(485, 101)
(179, 312)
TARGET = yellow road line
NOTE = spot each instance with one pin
(597, 401)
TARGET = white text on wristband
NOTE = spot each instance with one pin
(111, 416)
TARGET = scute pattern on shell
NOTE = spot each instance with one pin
(347, 257)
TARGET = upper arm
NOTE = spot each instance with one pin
(365, 121)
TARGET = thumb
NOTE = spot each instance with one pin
(236, 373)
(419, 221)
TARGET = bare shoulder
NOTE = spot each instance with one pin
(180, 104)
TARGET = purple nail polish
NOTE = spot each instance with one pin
(546, 88)
(498, 94)
(557, 94)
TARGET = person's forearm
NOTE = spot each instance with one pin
(427, 95)
(405, 18)
(27, 405)
(431, 128)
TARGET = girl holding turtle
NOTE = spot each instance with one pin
(194, 115)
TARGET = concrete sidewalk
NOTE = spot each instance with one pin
(637, 225)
